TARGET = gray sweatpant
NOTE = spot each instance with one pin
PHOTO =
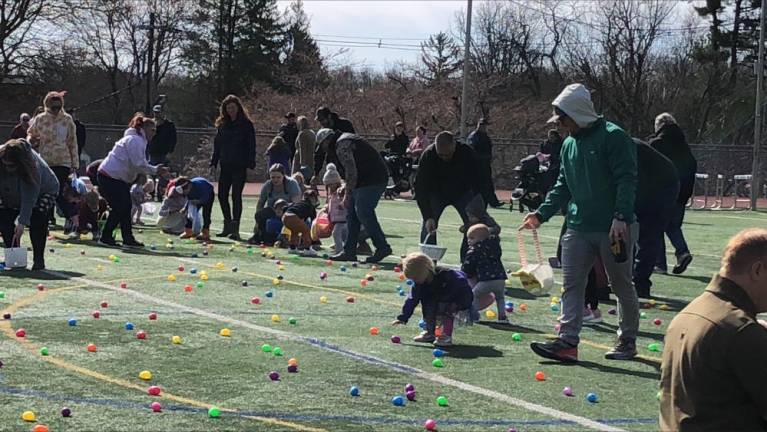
(498, 288)
(579, 252)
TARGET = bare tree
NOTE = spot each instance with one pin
(440, 56)
(17, 19)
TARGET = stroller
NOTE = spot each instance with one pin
(401, 175)
(533, 183)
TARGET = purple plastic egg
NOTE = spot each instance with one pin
(395, 339)
(292, 369)
(274, 376)
(409, 388)
(410, 395)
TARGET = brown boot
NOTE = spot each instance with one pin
(204, 235)
(187, 234)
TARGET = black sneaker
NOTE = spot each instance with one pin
(107, 241)
(557, 349)
(133, 243)
(379, 255)
(343, 257)
(625, 349)
(682, 262)
(38, 265)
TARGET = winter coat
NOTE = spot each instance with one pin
(57, 139)
(235, 145)
(445, 181)
(305, 143)
(656, 178)
(361, 162)
(483, 260)
(289, 132)
(447, 286)
(481, 143)
(164, 141)
(340, 126)
(398, 144)
(671, 142)
(597, 179)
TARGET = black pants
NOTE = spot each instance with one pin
(117, 194)
(486, 181)
(207, 210)
(62, 174)
(38, 231)
(653, 219)
(231, 178)
(438, 205)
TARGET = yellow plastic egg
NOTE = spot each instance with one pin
(176, 340)
(490, 314)
(275, 318)
(145, 375)
(225, 332)
(28, 416)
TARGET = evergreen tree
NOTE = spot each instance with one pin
(303, 66)
(440, 56)
(262, 38)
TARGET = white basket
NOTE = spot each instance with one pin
(432, 251)
(536, 278)
(15, 257)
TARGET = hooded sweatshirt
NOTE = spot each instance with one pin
(17, 194)
(598, 176)
(58, 138)
(127, 159)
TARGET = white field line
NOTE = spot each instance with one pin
(397, 367)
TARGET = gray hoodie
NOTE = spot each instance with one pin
(19, 195)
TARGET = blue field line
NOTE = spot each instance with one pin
(307, 418)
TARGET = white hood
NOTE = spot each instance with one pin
(575, 101)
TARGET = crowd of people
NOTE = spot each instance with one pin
(619, 195)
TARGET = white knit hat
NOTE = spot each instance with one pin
(331, 175)
(575, 101)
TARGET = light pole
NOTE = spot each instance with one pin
(466, 69)
(755, 169)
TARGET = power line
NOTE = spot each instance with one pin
(371, 38)
(373, 44)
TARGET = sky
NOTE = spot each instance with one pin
(401, 23)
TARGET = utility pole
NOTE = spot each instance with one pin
(466, 69)
(756, 168)
(149, 62)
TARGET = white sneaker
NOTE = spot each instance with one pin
(308, 252)
(592, 316)
(293, 251)
(74, 235)
(444, 341)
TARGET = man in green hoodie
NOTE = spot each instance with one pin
(597, 182)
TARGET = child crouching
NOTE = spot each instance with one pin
(199, 195)
(483, 262)
(139, 194)
(92, 209)
(295, 218)
(442, 293)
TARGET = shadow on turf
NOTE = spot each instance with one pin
(612, 369)
(466, 351)
(703, 279)
(41, 275)
(509, 327)
(521, 294)
(611, 329)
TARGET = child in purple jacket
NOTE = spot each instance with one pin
(442, 293)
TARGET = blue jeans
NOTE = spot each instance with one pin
(438, 205)
(675, 236)
(362, 213)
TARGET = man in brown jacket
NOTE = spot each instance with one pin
(714, 371)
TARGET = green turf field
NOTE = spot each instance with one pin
(488, 378)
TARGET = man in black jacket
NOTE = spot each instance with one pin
(163, 144)
(656, 193)
(398, 143)
(329, 120)
(80, 132)
(366, 179)
(671, 142)
(289, 132)
(480, 141)
(447, 176)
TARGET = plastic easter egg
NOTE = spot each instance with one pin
(438, 363)
(91, 348)
(395, 339)
(277, 351)
(141, 335)
(657, 321)
(410, 282)
(343, 269)
(490, 314)
(276, 318)
(96, 314)
(244, 283)
(442, 401)
(274, 376)
(204, 277)
(104, 304)
(193, 271)
(176, 340)
(153, 316)
(523, 307)
(40, 287)
(145, 375)
(592, 398)
(255, 300)
(374, 331)
(516, 337)
(410, 395)
(323, 275)
(292, 369)
(402, 277)
(292, 321)
(654, 347)
(72, 322)
(28, 416)
(567, 391)
(66, 412)
(266, 348)
(214, 412)
(181, 268)
(156, 407)
(363, 283)
(292, 362)
(123, 285)
(275, 281)
(187, 288)
(171, 278)
(430, 425)
(269, 294)
(323, 299)
(44, 351)
(398, 401)
(540, 376)
(129, 326)
(225, 332)
(21, 333)
(349, 299)
(354, 391)
(422, 324)
(234, 269)
(200, 284)
(154, 391)
(2, 294)
(438, 353)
